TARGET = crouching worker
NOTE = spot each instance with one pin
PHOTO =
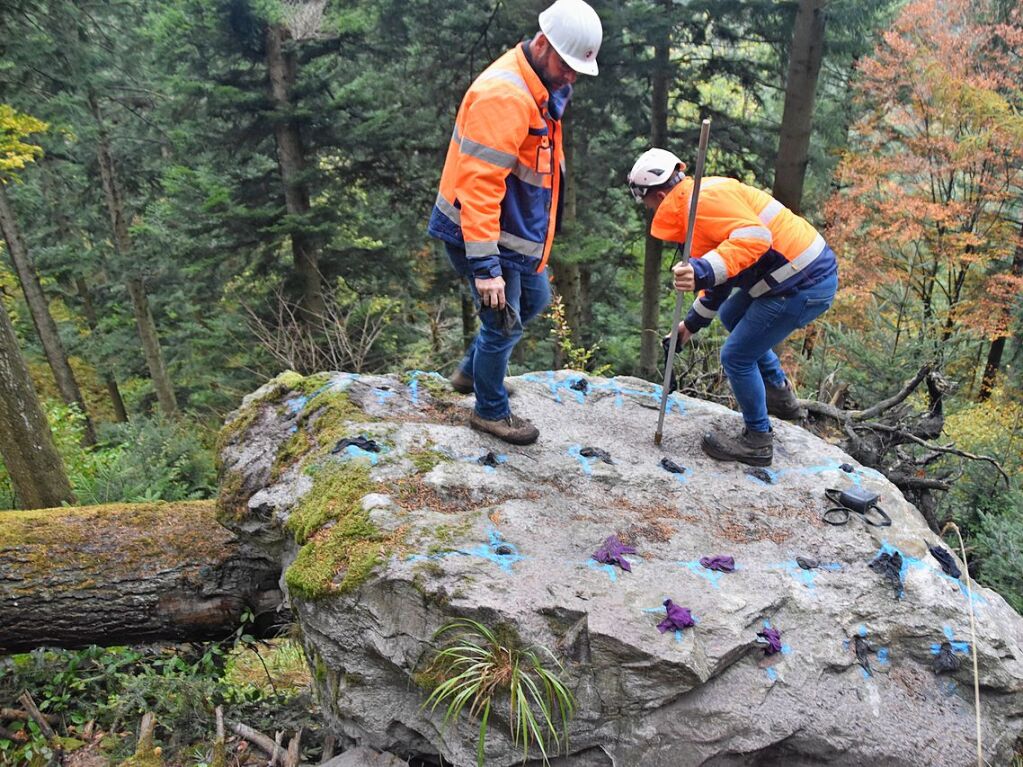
(764, 270)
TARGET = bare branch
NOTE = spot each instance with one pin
(903, 434)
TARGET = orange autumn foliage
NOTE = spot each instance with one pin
(933, 180)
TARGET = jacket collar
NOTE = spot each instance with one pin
(555, 102)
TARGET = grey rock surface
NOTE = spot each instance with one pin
(512, 545)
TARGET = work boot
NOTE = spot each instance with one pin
(754, 448)
(782, 402)
(512, 429)
(461, 382)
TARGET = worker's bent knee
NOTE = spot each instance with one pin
(735, 359)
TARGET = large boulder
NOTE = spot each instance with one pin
(383, 547)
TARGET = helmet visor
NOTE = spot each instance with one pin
(638, 192)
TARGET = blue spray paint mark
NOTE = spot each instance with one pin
(806, 577)
(609, 569)
(489, 469)
(471, 458)
(963, 648)
(296, 405)
(772, 475)
(547, 380)
(413, 384)
(351, 451)
(293, 429)
(496, 550)
(882, 656)
(382, 395)
(586, 463)
(712, 576)
(655, 396)
(856, 476)
(771, 674)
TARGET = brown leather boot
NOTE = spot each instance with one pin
(754, 448)
(782, 402)
(512, 429)
(461, 382)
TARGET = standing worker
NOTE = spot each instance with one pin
(500, 194)
(786, 277)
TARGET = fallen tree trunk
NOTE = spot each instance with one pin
(127, 573)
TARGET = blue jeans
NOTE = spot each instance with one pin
(757, 324)
(486, 362)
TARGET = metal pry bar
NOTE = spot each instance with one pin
(697, 178)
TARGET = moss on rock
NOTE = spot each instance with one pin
(272, 390)
(425, 459)
(341, 546)
(327, 419)
(336, 492)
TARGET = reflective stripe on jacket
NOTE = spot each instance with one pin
(499, 188)
(743, 238)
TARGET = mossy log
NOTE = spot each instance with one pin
(127, 573)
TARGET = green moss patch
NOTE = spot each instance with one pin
(341, 546)
(327, 419)
(338, 560)
(425, 459)
(287, 381)
(337, 490)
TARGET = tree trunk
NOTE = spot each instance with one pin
(26, 445)
(281, 67)
(39, 308)
(127, 573)
(800, 95)
(652, 282)
(64, 229)
(151, 346)
(566, 272)
(120, 413)
(136, 288)
(994, 356)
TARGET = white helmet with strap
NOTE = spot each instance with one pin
(573, 29)
(655, 167)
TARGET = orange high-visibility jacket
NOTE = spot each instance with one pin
(743, 238)
(499, 189)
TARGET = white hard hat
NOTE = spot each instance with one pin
(654, 168)
(573, 29)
